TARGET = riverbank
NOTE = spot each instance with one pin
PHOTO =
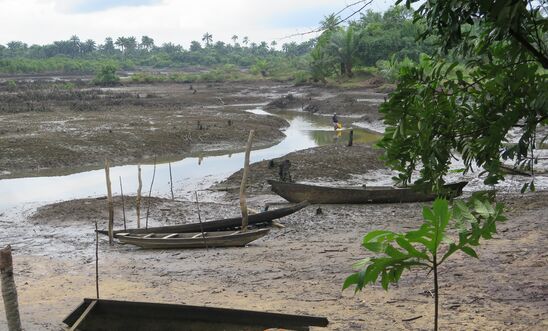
(298, 269)
(59, 128)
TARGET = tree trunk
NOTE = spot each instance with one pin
(9, 291)
(348, 70)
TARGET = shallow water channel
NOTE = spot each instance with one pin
(189, 174)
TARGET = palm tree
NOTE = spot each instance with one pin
(343, 46)
(207, 38)
(245, 40)
(76, 44)
(121, 42)
(329, 22)
(88, 46)
(108, 46)
(273, 44)
(147, 43)
(234, 39)
(131, 44)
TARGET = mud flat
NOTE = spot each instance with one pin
(298, 269)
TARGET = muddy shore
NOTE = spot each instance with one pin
(299, 269)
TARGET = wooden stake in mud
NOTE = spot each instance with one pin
(200, 219)
(123, 203)
(243, 202)
(150, 193)
(171, 182)
(351, 138)
(110, 205)
(9, 291)
(138, 199)
(97, 259)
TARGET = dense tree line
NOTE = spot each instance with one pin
(75, 55)
(374, 37)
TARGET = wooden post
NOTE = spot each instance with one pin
(110, 205)
(9, 291)
(200, 219)
(150, 193)
(243, 202)
(350, 138)
(123, 203)
(138, 199)
(96, 259)
(171, 182)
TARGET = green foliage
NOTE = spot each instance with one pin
(475, 219)
(382, 39)
(430, 245)
(390, 69)
(440, 110)
(11, 85)
(107, 76)
(261, 67)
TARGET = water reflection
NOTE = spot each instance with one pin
(189, 174)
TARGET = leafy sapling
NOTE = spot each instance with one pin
(430, 245)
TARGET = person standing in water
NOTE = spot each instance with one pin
(336, 124)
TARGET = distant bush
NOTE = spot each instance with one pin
(106, 76)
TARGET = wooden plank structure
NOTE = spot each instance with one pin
(111, 315)
(295, 192)
(192, 240)
(219, 225)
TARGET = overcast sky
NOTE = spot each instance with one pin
(43, 21)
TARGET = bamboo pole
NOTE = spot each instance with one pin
(200, 219)
(243, 202)
(138, 199)
(110, 205)
(97, 259)
(150, 193)
(171, 182)
(123, 203)
(9, 291)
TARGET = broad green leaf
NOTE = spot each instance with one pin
(410, 249)
(469, 251)
(376, 235)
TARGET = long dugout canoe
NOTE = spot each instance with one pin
(112, 315)
(192, 240)
(295, 192)
(219, 225)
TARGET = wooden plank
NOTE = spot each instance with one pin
(149, 235)
(83, 316)
(170, 236)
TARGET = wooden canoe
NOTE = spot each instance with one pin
(112, 315)
(219, 225)
(192, 240)
(294, 192)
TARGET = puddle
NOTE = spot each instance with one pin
(189, 174)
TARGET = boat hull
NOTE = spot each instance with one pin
(295, 192)
(218, 225)
(193, 240)
(111, 315)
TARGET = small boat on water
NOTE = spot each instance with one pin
(218, 225)
(192, 240)
(295, 192)
(112, 315)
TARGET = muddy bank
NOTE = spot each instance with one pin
(331, 163)
(299, 269)
(47, 128)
